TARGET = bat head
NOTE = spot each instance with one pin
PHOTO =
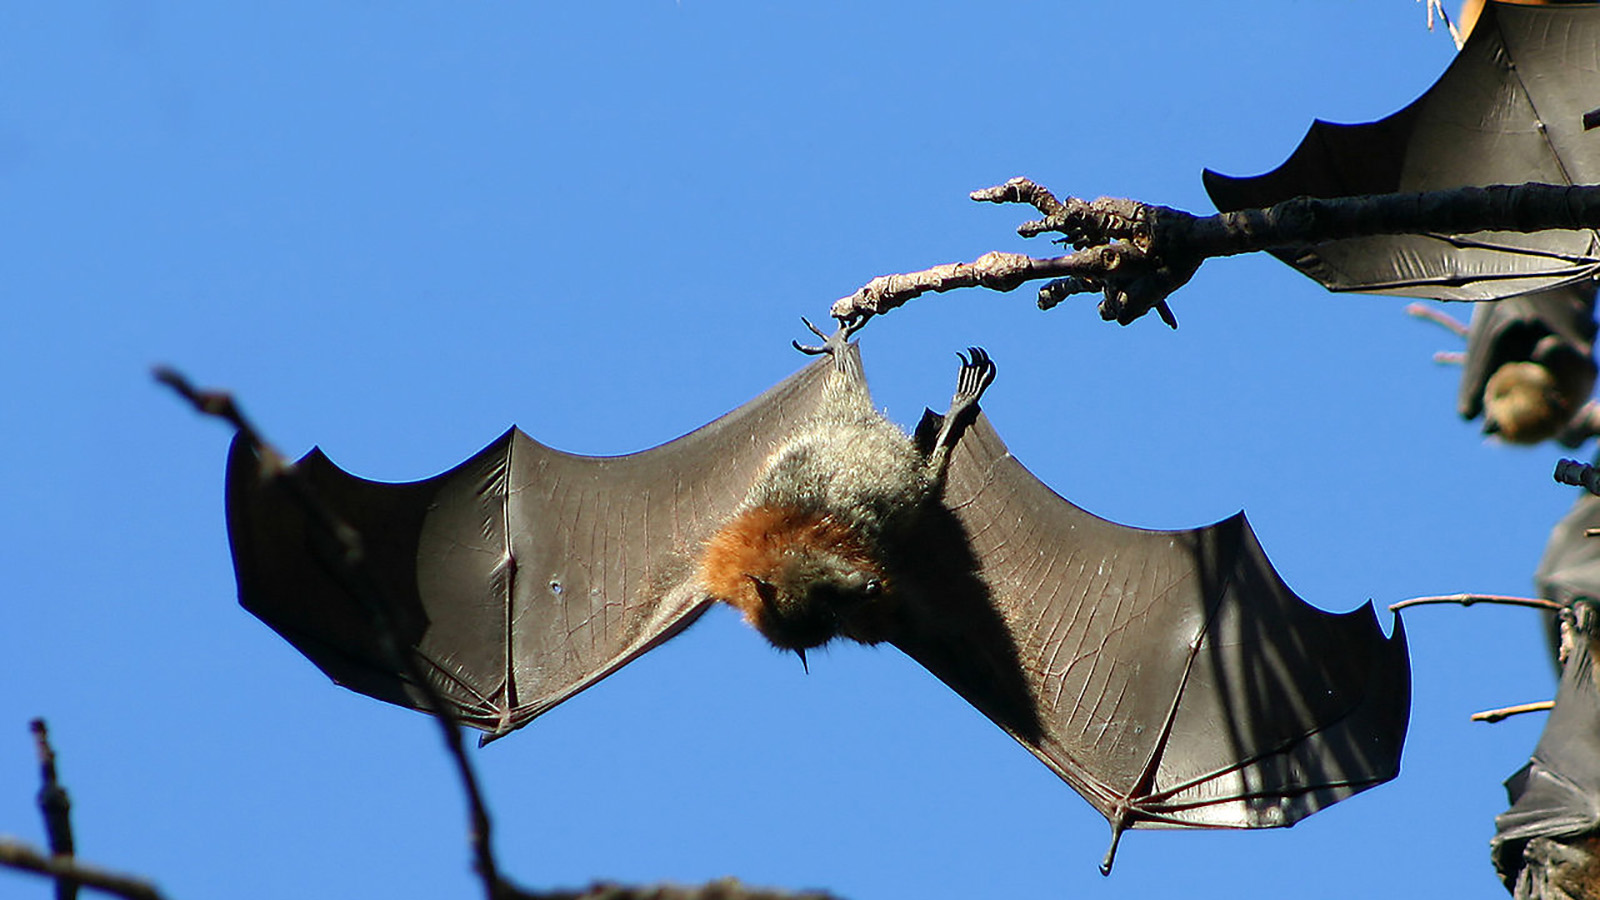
(801, 579)
(1525, 403)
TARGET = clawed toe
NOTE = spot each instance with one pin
(831, 343)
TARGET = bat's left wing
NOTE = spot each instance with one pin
(1170, 677)
(519, 577)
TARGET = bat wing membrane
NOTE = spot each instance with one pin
(519, 577)
(1509, 109)
(1554, 795)
(1171, 678)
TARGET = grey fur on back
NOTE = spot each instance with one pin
(848, 462)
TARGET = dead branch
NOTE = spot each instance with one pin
(1438, 317)
(1470, 599)
(64, 869)
(349, 563)
(1137, 254)
(1505, 712)
(721, 889)
(55, 806)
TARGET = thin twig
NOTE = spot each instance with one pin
(1471, 599)
(350, 568)
(23, 858)
(55, 806)
(721, 889)
(1438, 317)
(1505, 712)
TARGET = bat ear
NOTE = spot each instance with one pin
(765, 590)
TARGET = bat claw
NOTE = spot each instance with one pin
(977, 373)
(831, 343)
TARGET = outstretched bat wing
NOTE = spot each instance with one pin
(1170, 677)
(518, 578)
(1570, 568)
(1508, 110)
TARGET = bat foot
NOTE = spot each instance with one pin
(831, 343)
(977, 373)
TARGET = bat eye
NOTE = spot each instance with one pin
(872, 588)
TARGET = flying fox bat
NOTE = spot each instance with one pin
(1547, 845)
(1529, 366)
(1171, 678)
(1510, 108)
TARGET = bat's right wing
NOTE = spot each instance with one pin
(1170, 677)
(518, 578)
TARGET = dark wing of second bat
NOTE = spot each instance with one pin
(1570, 568)
(519, 577)
(1171, 678)
(1548, 836)
(1508, 110)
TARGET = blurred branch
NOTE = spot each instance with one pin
(349, 566)
(20, 856)
(1438, 317)
(1137, 254)
(722, 889)
(55, 806)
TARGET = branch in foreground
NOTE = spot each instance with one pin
(21, 857)
(1137, 254)
(348, 562)
(55, 806)
(722, 889)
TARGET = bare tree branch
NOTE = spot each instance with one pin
(349, 565)
(721, 889)
(1137, 254)
(1470, 599)
(55, 806)
(21, 857)
(1505, 712)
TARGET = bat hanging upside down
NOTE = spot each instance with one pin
(1171, 678)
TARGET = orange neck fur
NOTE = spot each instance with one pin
(759, 542)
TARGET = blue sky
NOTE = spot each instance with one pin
(396, 229)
